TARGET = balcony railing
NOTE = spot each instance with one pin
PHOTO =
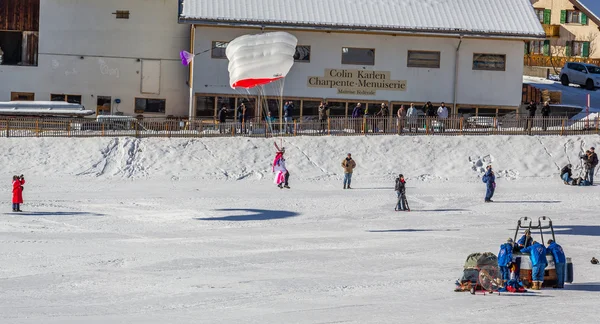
(552, 30)
(555, 61)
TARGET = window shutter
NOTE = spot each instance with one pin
(547, 16)
(568, 48)
(563, 16)
(526, 47)
(546, 47)
(584, 19)
(585, 52)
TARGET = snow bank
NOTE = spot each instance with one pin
(425, 158)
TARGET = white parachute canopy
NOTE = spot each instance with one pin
(256, 60)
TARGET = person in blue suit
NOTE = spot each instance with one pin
(505, 259)
(526, 240)
(538, 263)
(560, 262)
(490, 180)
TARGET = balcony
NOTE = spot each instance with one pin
(552, 30)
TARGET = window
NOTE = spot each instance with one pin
(68, 98)
(573, 17)
(540, 14)
(336, 108)
(536, 47)
(310, 108)
(489, 62)
(205, 106)
(358, 56)
(19, 26)
(103, 105)
(122, 14)
(218, 49)
(144, 105)
(302, 53)
(578, 48)
(22, 96)
(424, 59)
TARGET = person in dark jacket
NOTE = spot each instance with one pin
(430, 113)
(538, 263)
(545, 115)
(526, 240)
(288, 113)
(242, 117)
(222, 118)
(490, 180)
(560, 262)
(357, 114)
(402, 203)
(531, 108)
(429, 110)
(323, 116)
(505, 259)
(591, 163)
(384, 113)
(566, 173)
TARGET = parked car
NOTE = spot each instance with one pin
(583, 74)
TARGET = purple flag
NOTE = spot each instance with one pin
(186, 57)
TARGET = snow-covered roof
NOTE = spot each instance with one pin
(54, 108)
(506, 18)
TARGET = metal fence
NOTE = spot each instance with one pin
(155, 127)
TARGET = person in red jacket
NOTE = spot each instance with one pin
(17, 199)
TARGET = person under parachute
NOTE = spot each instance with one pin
(282, 175)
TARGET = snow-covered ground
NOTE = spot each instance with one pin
(194, 231)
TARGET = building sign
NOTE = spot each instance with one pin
(356, 82)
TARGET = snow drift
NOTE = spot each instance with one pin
(425, 158)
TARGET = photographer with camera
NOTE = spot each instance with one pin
(590, 161)
(17, 198)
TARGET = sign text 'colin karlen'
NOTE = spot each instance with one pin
(359, 82)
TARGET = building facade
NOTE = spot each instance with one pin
(474, 70)
(571, 27)
(111, 56)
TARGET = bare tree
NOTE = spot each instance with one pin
(557, 51)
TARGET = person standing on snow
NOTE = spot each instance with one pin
(591, 163)
(17, 198)
(490, 180)
(442, 113)
(560, 262)
(538, 263)
(282, 175)
(505, 259)
(402, 203)
(348, 164)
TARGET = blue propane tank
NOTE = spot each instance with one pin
(569, 278)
